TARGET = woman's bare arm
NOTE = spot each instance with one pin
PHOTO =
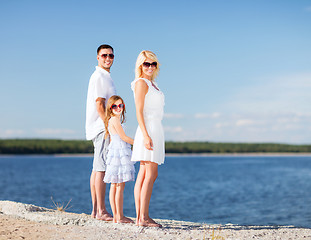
(141, 89)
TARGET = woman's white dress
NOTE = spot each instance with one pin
(119, 166)
(153, 114)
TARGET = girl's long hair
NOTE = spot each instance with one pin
(141, 59)
(109, 112)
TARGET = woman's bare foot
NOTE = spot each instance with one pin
(137, 222)
(104, 216)
(93, 214)
(125, 220)
(149, 223)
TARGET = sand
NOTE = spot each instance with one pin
(26, 221)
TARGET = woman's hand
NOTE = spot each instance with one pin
(148, 143)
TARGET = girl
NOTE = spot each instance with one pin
(119, 169)
(149, 139)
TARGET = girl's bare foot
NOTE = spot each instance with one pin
(125, 220)
(93, 214)
(104, 216)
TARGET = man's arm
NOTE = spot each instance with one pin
(101, 108)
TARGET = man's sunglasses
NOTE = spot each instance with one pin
(148, 64)
(107, 55)
(114, 106)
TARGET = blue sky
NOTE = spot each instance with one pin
(231, 71)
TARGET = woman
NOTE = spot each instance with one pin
(148, 145)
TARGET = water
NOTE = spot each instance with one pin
(245, 190)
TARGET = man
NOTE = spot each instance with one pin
(101, 88)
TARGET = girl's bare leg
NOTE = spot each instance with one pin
(119, 201)
(137, 188)
(120, 218)
(112, 199)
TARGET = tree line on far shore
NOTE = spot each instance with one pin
(54, 146)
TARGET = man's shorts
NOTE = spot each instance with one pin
(100, 147)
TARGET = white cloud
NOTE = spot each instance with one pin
(275, 94)
(247, 126)
(173, 115)
(207, 115)
(41, 133)
(177, 129)
(308, 9)
(222, 124)
(288, 127)
(278, 127)
(259, 125)
(54, 132)
(244, 122)
(12, 133)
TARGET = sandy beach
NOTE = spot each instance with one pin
(26, 221)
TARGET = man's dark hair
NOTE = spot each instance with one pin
(103, 46)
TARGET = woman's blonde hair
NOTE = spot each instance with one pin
(109, 112)
(141, 59)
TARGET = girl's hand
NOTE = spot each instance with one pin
(148, 143)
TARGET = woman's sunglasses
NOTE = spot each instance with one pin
(114, 106)
(148, 64)
(107, 55)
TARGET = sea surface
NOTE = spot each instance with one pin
(244, 190)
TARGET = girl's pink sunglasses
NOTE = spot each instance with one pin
(114, 106)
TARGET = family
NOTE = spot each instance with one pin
(113, 158)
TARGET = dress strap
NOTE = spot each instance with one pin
(134, 82)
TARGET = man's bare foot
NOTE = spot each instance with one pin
(104, 217)
(149, 223)
(125, 220)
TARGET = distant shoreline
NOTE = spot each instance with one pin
(176, 154)
(54, 146)
(238, 154)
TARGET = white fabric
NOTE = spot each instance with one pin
(119, 166)
(100, 85)
(153, 114)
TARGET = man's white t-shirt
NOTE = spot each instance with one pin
(100, 85)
